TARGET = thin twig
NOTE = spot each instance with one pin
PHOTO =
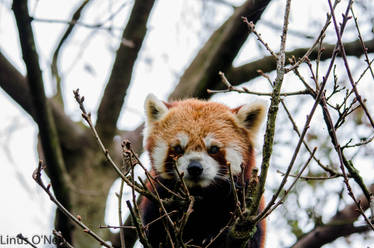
(310, 50)
(223, 229)
(128, 156)
(20, 236)
(139, 229)
(302, 79)
(251, 27)
(159, 218)
(230, 88)
(116, 227)
(37, 177)
(295, 128)
(344, 163)
(316, 42)
(371, 206)
(324, 167)
(180, 176)
(357, 178)
(364, 142)
(364, 49)
(54, 67)
(87, 117)
(309, 178)
(235, 192)
(184, 220)
(247, 91)
(74, 22)
(48, 134)
(303, 133)
(127, 144)
(63, 242)
(177, 230)
(244, 187)
(344, 56)
(272, 115)
(291, 186)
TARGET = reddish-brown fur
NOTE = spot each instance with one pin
(198, 119)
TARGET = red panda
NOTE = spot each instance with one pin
(200, 138)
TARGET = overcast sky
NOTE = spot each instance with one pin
(169, 46)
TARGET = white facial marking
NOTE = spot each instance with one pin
(183, 139)
(210, 168)
(159, 154)
(209, 140)
(235, 158)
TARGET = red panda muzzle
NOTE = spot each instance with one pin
(195, 169)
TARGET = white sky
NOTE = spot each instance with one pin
(170, 44)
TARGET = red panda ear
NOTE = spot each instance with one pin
(251, 115)
(154, 108)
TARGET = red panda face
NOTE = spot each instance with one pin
(200, 138)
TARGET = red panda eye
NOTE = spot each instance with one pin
(213, 149)
(178, 149)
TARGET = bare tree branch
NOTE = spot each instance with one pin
(16, 86)
(76, 219)
(218, 52)
(120, 78)
(246, 72)
(65, 36)
(344, 56)
(44, 119)
(340, 225)
(318, 98)
(272, 115)
(84, 160)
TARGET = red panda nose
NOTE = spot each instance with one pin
(195, 168)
